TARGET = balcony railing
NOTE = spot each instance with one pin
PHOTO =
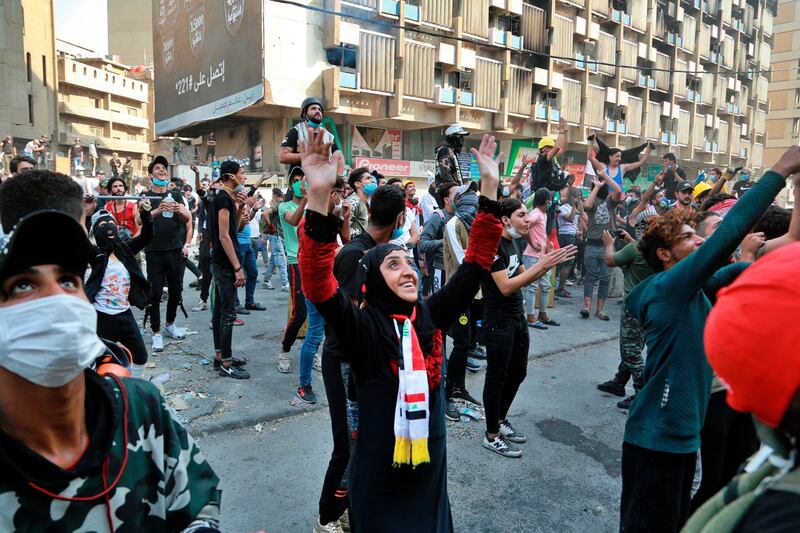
(438, 12)
(476, 17)
(533, 28)
(629, 57)
(488, 73)
(653, 123)
(562, 36)
(519, 90)
(634, 116)
(606, 52)
(571, 99)
(376, 62)
(595, 112)
(418, 69)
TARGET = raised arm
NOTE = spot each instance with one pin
(589, 202)
(794, 225)
(560, 146)
(640, 162)
(689, 275)
(645, 200)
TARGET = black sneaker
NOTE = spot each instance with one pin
(255, 307)
(478, 352)
(501, 446)
(626, 403)
(306, 394)
(613, 387)
(451, 412)
(511, 434)
(242, 311)
(466, 397)
(235, 361)
(235, 372)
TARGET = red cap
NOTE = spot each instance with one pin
(751, 336)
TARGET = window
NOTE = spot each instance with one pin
(797, 98)
(795, 128)
(94, 73)
(28, 65)
(84, 71)
(30, 109)
(74, 67)
(44, 70)
(97, 131)
(68, 127)
(344, 55)
(132, 111)
(132, 137)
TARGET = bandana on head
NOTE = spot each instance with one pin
(723, 207)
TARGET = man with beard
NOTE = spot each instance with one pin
(311, 111)
(124, 212)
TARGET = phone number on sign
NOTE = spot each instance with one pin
(184, 84)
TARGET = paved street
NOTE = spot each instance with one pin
(567, 480)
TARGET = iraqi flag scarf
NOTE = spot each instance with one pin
(411, 412)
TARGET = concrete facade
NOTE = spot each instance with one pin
(100, 100)
(28, 80)
(489, 65)
(130, 31)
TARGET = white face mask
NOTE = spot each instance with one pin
(513, 233)
(48, 341)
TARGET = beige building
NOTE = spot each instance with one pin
(28, 81)
(783, 121)
(130, 31)
(101, 101)
(514, 67)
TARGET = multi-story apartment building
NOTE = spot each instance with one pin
(100, 101)
(27, 71)
(688, 73)
(783, 120)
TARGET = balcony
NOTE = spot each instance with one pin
(611, 125)
(348, 79)
(444, 97)
(103, 143)
(100, 80)
(542, 111)
(391, 9)
(674, 38)
(667, 137)
(466, 98)
(105, 115)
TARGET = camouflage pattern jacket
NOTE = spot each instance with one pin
(165, 483)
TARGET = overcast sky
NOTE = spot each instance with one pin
(83, 22)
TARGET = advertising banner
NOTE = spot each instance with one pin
(388, 167)
(377, 142)
(208, 59)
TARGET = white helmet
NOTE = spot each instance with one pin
(455, 129)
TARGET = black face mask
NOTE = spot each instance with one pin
(106, 236)
(457, 142)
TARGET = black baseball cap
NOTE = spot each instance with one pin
(682, 186)
(67, 244)
(157, 159)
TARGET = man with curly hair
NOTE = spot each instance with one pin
(662, 434)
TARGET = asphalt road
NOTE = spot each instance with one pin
(568, 478)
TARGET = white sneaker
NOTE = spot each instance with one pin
(158, 342)
(331, 527)
(501, 446)
(173, 332)
(285, 288)
(284, 363)
(317, 363)
(202, 306)
(344, 520)
(268, 285)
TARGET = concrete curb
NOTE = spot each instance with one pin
(232, 421)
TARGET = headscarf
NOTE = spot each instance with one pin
(466, 204)
(374, 290)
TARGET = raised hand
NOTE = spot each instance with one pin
(320, 170)
(750, 245)
(563, 127)
(659, 178)
(487, 164)
(789, 163)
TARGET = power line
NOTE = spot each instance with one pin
(391, 25)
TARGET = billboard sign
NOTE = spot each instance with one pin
(208, 57)
(388, 167)
(377, 142)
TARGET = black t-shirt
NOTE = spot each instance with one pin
(221, 201)
(345, 270)
(168, 233)
(772, 512)
(291, 141)
(671, 181)
(741, 187)
(494, 302)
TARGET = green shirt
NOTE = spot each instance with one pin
(633, 265)
(672, 307)
(289, 231)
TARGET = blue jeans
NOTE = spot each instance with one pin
(530, 291)
(248, 260)
(314, 335)
(277, 259)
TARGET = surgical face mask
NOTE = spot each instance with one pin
(513, 233)
(160, 183)
(239, 188)
(397, 233)
(298, 192)
(338, 206)
(48, 341)
(369, 188)
(506, 191)
(312, 124)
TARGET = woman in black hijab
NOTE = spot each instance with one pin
(398, 472)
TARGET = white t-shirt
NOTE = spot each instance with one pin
(566, 227)
(405, 238)
(255, 230)
(29, 147)
(112, 298)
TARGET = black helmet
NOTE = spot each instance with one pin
(311, 100)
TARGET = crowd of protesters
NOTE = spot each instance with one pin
(716, 384)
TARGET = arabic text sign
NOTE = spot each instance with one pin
(206, 59)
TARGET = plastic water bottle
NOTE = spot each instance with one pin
(169, 200)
